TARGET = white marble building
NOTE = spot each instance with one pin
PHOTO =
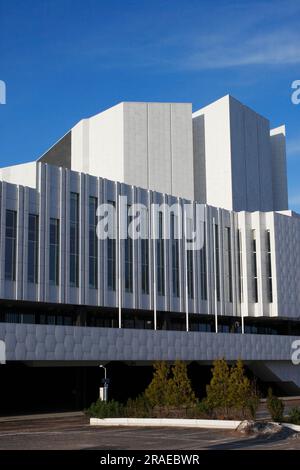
(244, 280)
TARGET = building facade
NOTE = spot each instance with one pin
(66, 294)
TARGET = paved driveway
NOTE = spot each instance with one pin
(73, 432)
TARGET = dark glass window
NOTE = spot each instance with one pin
(203, 270)
(175, 258)
(111, 256)
(190, 276)
(269, 267)
(229, 265)
(160, 254)
(217, 261)
(93, 243)
(128, 258)
(74, 239)
(10, 245)
(54, 252)
(145, 258)
(33, 246)
(254, 268)
(240, 264)
(190, 263)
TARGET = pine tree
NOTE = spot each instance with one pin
(230, 392)
(180, 392)
(218, 389)
(239, 387)
(157, 391)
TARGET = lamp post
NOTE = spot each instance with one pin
(105, 383)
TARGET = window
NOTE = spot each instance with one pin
(33, 245)
(175, 257)
(217, 261)
(93, 243)
(229, 266)
(54, 252)
(269, 267)
(111, 255)
(190, 261)
(74, 239)
(190, 277)
(160, 257)
(254, 268)
(145, 258)
(240, 264)
(203, 274)
(10, 245)
(128, 258)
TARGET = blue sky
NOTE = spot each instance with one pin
(63, 60)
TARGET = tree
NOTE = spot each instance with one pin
(242, 393)
(230, 392)
(157, 391)
(180, 392)
(218, 389)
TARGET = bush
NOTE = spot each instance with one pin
(218, 390)
(157, 392)
(275, 407)
(203, 409)
(106, 409)
(242, 393)
(170, 388)
(294, 416)
(138, 408)
(230, 394)
(180, 392)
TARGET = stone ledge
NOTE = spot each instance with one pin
(168, 422)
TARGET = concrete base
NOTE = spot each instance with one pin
(169, 422)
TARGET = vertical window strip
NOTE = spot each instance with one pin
(10, 245)
(240, 266)
(93, 243)
(145, 256)
(160, 257)
(74, 240)
(203, 266)
(128, 257)
(190, 260)
(54, 252)
(190, 273)
(175, 258)
(217, 255)
(229, 264)
(269, 267)
(111, 253)
(33, 243)
(254, 268)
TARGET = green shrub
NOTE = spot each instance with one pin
(294, 416)
(170, 387)
(218, 396)
(157, 391)
(105, 409)
(230, 394)
(138, 408)
(275, 407)
(180, 392)
(203, 409)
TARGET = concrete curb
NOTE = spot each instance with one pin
(170, 422)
